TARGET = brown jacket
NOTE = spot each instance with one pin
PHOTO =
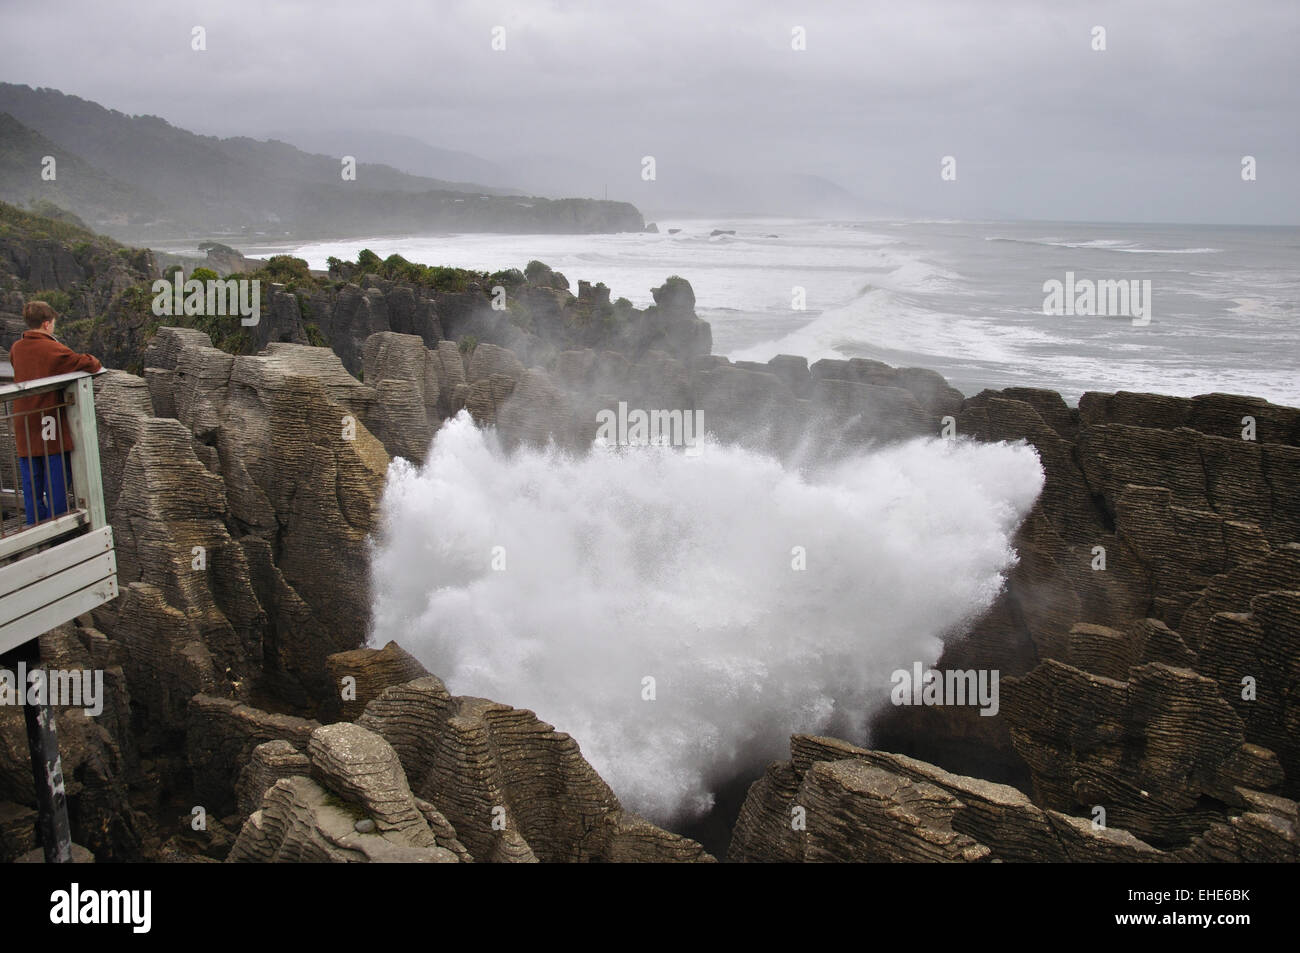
(35, 355)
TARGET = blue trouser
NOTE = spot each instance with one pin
(45, 492)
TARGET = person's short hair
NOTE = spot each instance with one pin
(36, 313)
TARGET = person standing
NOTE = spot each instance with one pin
(43, 450)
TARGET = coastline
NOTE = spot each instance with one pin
(1108, 676)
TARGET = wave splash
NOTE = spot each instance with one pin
(622, 565)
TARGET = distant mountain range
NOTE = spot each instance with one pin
(415, 156)
(677, 190)
(139, 177)
(143, 180)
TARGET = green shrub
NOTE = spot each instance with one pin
(137, 300)
(23, 224)
(76, 334)
(397, 268)
(508, 279)
(60, 301)
(47, 209)
(286, 270)
(447, 279)
(538, 273)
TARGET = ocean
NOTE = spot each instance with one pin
(963, 298)
(693, 600)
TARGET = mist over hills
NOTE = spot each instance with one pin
(91, 192)
(691, 190)
(143, 179)
(677, 189)
(139, 177)
(411, 154)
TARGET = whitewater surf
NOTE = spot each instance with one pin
(682, 615)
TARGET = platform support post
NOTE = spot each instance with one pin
(47, 767)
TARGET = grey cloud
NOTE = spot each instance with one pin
(1042, 126)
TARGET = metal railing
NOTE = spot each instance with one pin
(56, 546)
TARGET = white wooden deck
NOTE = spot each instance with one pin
(52, 586)
(59, 568)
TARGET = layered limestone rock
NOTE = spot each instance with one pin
(535, 411)
(930, 391)
(354, 807)
(1162, 752)
(269, 478)
(1146, 636)
(1160, 585)
(868, 814)
(540, 318)
(512, 786)
(488, 360)
(187, 616)
(781, 407)
(670, 325)
(408, 380)
(17, 831)
(220, 737)
(1217, 415)
(835, 801)
(1255, 659)
(1104, 576)
(269, 762)
(97, 749)
(1236, 479)
(226, 543)
(1155, 513)
(449, 367)
(362, 674)
(486, 396)
(1112, 652)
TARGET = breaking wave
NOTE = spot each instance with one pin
(621, 565)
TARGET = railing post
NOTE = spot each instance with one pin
(47, 766)
(85, 453)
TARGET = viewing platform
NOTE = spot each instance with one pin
(56, 557)
(57, 562)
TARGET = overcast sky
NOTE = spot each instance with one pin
(1042, 126)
